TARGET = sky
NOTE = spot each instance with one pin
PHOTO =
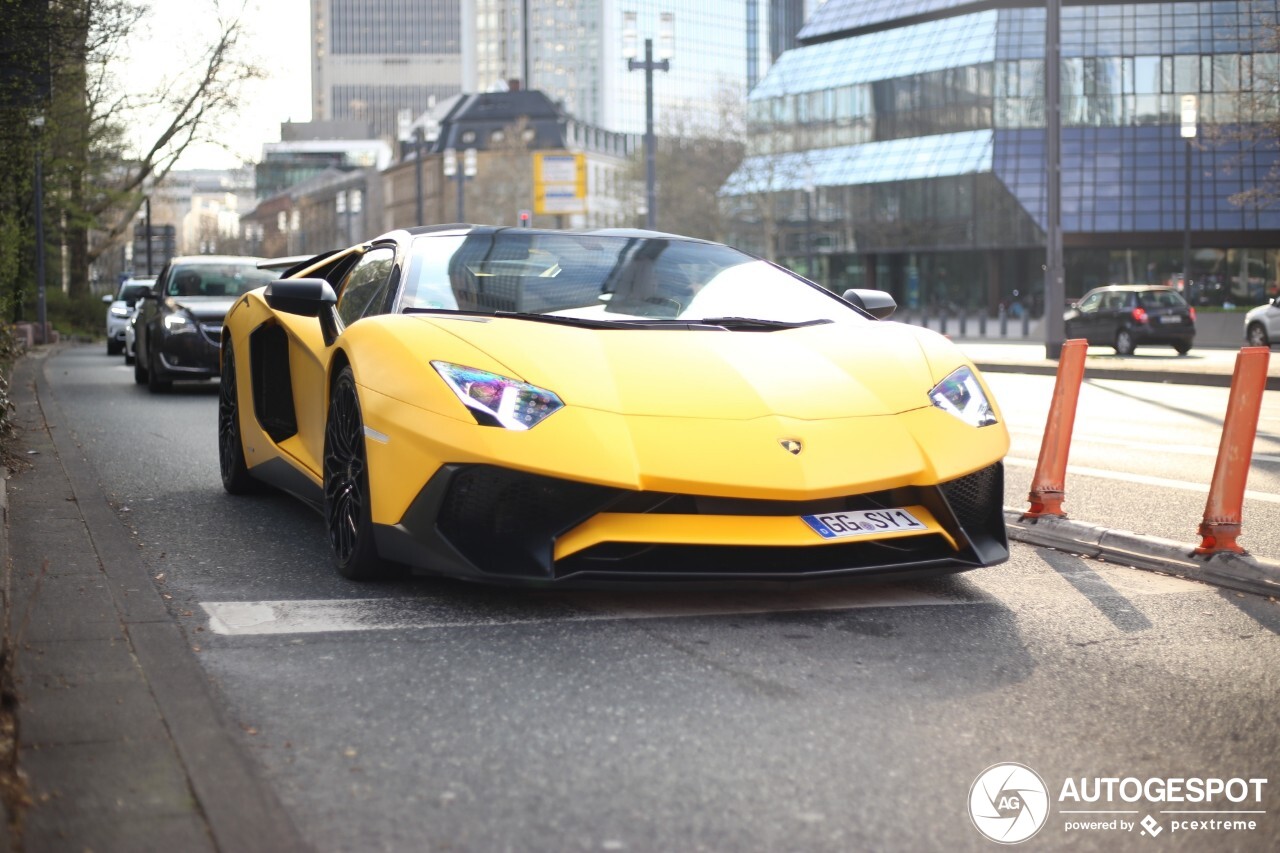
(277, 38)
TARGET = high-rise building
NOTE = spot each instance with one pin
(575, 53)
(903, 145)
(371, 59)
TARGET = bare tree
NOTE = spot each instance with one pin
(99, 179)
(696, 153)
(1250, 121)
(504, 178)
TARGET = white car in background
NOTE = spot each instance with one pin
(131, 337)
(1262, 324)
(121, 308)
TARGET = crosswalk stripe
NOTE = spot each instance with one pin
(244, 618)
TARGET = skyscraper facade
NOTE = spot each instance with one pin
(903, 145)
(575, 53)
(371, 59)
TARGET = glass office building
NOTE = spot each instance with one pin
(575, 53)
(902, 146)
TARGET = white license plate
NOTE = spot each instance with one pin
(863, 522)
(1170, 318)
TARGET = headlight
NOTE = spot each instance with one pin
(178, 324)
(498, 400)
(119, 311)
(961, 395)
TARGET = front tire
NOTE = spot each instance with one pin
(1124, 342)
(1257, 336)
(346, 486)
(155, 384)
(139, 372)
(236, 478)
(114, 347)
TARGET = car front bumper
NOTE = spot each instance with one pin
(497, 524)
(195, 355)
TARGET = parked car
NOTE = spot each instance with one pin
(131, 336)
(1262, 324)
(1127, 316)
(179, 325)
(120, 307)
(546, 407)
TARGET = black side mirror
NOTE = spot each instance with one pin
(306, 297)
(877, 303)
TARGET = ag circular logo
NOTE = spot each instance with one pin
(1008, 803)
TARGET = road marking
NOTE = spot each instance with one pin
(1143, 479)
(243, 618)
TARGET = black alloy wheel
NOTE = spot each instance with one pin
(155, 384)
(139, 369)
(346, 486)
(1257, 336)
(1124, 342)
(236, 478)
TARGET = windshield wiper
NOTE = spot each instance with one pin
(749, 324)
(752, 324)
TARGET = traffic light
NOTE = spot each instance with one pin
(525, 216)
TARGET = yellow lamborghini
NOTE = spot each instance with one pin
(542, 407)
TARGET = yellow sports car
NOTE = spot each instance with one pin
(542, 406)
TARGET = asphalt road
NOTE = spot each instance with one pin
(438, 715)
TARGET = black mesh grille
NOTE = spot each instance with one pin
(694, 562)
(506, 521)
(977, 499)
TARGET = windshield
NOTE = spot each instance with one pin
(1161, 299)
(229, 279)
(608, 278)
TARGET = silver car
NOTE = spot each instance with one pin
(121, 308)
(1262, 324)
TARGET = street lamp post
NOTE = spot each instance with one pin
(41, 305)
(666, 49)
(146, 223)
(1054, 268)
(809, 271)
(424, 136)
(460, 175)
(1190, 110)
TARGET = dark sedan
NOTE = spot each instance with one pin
(179, 325)
(1127, 316)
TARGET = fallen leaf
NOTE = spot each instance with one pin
(160, 576)
(349, 752)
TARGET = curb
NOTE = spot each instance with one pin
(240, 809)
(1240, 572)
(1170, 377)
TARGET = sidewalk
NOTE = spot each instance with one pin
(119, 734)
(122, 739)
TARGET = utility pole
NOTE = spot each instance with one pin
(1054, 286)
(666, 34)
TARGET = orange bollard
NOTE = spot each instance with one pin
(1223, 511)
(1048, 484)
